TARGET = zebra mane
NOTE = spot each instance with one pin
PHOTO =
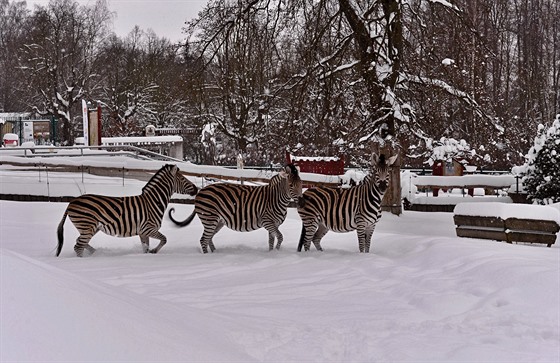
(293, 173)
(164, 169)
(369, 176)
(275, 179)
(293, 169)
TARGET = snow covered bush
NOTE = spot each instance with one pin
(447, 149)
(541, 172)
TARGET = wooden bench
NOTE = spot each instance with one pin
(465, 182)
(509, 229)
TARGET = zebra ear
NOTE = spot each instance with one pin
(392, 160)
(292, 169)
(374, 159)
(283, 173)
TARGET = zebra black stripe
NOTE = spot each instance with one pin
(138, 215)
(245, 208)
(344, 210)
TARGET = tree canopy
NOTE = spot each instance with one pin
(321, 77)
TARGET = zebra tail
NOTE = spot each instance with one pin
(301, 238)
(184, 223)
(60, 233)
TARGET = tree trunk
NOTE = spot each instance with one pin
(392, 199)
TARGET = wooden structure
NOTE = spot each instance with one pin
(448, 168)
(392, 199)
(318, 165)
(509, 230)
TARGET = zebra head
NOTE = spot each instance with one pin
(380, 170)
(182, 185)
(291, 173)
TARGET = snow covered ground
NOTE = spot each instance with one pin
(422, 295)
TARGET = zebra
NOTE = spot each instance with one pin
(139, 215)
(245, 208)
(343, 210)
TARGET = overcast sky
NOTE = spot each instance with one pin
(165, 17)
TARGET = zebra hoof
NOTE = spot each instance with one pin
(153, 251)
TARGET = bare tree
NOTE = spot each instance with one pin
(12, 19)
(60, 57)
(127, 91)
(240, 70)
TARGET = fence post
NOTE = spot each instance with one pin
(392, 199)
(48, 182)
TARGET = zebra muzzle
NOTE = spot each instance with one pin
(382, 186)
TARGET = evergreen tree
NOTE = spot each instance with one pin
(542, 174)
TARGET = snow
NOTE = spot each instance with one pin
(454, 199)
(103, 158)
(314, 158)
(11, 137)
(496, 181)
(422, 295)
(504, 211)
(446, 3)
(141, 139)
(448, 61)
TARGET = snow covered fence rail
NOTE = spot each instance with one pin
(507, 222)
(122, 166)
(465, 181)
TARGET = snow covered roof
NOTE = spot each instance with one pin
(4, 115)
(141, 139)
(11, 137)
(314, 158)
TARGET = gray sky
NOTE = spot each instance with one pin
(165, 17)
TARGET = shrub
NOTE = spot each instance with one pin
(541, 173)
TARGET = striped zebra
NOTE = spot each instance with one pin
(138, 215)
(344, 210)
(245, 208)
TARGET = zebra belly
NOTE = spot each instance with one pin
(342, 230)
(337, 224)
(112, 230)
(244, 226)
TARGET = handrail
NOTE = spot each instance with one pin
(40, 151)
(187, 169)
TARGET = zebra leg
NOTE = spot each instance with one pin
(162, 241)
(279, 237)
(369, 234)
(361, 239)
(321, 232)
(216, 230)
(310, 229)
(145, 243)
(211, 227)
(273, 232)
(83, 242)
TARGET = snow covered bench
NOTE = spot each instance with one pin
(507, 222)
(468, 182)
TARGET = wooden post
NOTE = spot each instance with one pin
(392, 199)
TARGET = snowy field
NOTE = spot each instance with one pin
(422, 295)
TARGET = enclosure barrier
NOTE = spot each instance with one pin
(89, 160)
(506, 224)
